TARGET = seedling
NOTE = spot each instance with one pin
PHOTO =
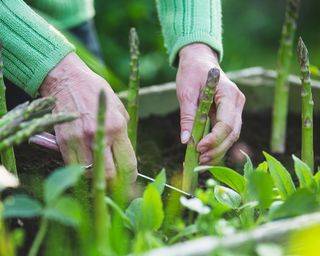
(190, 178)
(7, 155)
(307, 106)
(133, 90)
(281, 93)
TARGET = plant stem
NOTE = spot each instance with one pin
(307, 106)
(39, 238)
(134, 84)
(7, 155)
(26, 129)
(281, 94)
(99, 182)
(190, 178)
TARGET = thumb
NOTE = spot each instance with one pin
(188, 109)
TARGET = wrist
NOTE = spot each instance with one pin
(198, 50)
(62, 74)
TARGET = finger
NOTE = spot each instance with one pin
(124, 157)
(215, 154)
(218, 134)
(74, 149)
(188, 100)
(110, 167)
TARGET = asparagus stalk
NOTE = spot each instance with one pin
(307, 106)
(8, 158)
(26, 111)
(190, 178)
(281, 96)
(27, 129)
(133, 91)
(99, 183)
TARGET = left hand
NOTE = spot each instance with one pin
(195, 60)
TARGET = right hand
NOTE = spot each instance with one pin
(76, 89)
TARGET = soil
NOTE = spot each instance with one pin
(159, 146)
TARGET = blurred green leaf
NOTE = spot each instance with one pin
(304, 174)
(262, 167)
(65, 210)
(160, 181)
(260, 188)
(227, 176)
(60, 180)
(300, 202)
(146, 213)
(118, 210)
(248, 167)
(227, 196)
(281, 177)
(21, 206)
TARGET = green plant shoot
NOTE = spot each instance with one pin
(7, 155)
(190, 177)
(307, 155)
(281, 93)
(134, 84)
(99, 183)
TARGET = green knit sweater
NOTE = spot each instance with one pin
(32, 47)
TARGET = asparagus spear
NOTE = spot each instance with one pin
(133, 91)
(190, 178)
(26, 111)
(26, 129)
(307, 106)
(7, 155)
(281, 95)
(99, 183)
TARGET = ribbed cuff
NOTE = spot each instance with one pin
(181, 42)
(31, 47)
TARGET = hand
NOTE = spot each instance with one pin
(76, 89)
(194, 63)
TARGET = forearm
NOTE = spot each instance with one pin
(32, 47)
(188, 21)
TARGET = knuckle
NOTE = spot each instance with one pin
(234, 136)
(117, 125)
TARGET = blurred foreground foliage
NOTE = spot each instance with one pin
(252, 31)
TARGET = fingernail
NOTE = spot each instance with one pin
(201, 149)
(185, 136)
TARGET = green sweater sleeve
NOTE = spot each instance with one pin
(189, 21)
(31, 47)
(67, 13)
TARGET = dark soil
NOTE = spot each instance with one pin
(159, 146)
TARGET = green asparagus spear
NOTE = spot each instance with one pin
(133, 91)
(27, 129)
(7, 155)
(307, 106)
(190, 178)
(99, 182)
(281, 94)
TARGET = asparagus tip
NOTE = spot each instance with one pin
(133, 40)
(213, 77)
(302, 51)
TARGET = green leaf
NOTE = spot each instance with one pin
(186, 232)
(227, 176)
(60, 180)
(281, 177)
(21, 206)
(304, 173)
(160, 181)
(301, 202)
(146, 213)
(260, 188)
(152, 209)
(316, 178)
(248, 167)
(65, 210)
(227, 196)
(134, 213)
(262, 167)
